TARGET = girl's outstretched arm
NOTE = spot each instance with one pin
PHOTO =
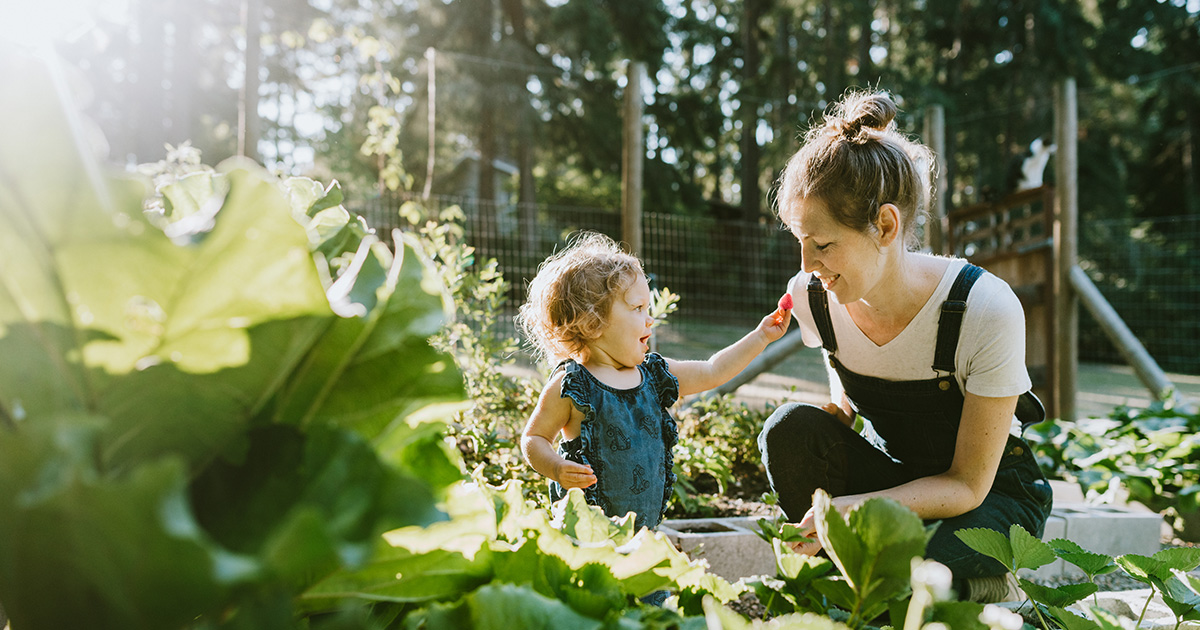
(699, 376)
(552, 414)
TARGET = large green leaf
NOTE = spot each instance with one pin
(1092, 564)
(141, 358)
(80, 550)
(399, 575)
(1181, 593)
(1029, 551)
(507, 606)
(369, 372)
(309, 502)
(873, 547)
(1071, 621)
(990, 543)
(1061, 596)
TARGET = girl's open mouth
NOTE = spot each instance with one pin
(829, 281)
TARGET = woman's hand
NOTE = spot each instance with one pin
(838, 412)
(571, 474)
(808, 524)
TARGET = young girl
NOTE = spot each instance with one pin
(608, 397)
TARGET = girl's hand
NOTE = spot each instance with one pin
(574, 475)
(776, 324)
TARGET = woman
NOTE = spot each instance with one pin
(928, 350)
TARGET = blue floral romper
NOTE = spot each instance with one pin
(626, 437)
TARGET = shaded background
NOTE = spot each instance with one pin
(512, 110)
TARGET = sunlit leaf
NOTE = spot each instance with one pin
(1029, 552)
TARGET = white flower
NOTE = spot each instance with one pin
(1000, 618)
(933, 577)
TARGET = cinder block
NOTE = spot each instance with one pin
(730, 545)
(1112, 530)
(1106, 529)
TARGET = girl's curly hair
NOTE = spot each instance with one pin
(571, 296)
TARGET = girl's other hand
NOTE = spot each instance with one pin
(575, 475)
(838, 412)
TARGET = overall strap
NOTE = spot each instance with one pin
(950, 323)
(818, 303)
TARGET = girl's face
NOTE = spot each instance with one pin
(625, 341)
(849, 263)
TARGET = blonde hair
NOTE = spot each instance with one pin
(856, 162)
(570, 298)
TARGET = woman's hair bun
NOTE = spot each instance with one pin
(860, 114)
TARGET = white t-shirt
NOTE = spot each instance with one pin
(990, 360)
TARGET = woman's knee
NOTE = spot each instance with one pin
(793, 424)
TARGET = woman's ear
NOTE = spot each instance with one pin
(888, 224)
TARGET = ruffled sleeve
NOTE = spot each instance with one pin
(665, 383)
(576, 387)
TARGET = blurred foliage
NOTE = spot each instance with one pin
(1150, 455)
(522, 101)
(215, 392)
(538, 85)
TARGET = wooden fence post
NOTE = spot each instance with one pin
(631, 166)
(1066, 301)
(935, 139)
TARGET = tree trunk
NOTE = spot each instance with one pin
(185, 72)
(248, 120)
(514, 10)
(750, 95)
(149, 125)
(835, 54)
(487, 105)
(866, 67)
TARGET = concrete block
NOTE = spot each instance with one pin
(1107, 529)
(730, 545)
(1112, 530)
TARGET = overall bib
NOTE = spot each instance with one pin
(910, 431)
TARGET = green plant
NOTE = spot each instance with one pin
(207, 408)
(717, 453)
(1165, 573)
(501, 560)
(501, 397)
(1151, 454)
(873, 548)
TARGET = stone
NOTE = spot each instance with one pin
(730, 546)
(1112, 530)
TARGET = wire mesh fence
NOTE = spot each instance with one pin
(732, 272)
(726, 272)
(1148, 269)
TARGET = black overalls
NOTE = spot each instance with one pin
(910, 431)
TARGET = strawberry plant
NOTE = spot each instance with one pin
(872, 547)
(1166, 573)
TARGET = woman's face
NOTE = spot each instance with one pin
(848, 262)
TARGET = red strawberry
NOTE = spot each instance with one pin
(785, 302)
